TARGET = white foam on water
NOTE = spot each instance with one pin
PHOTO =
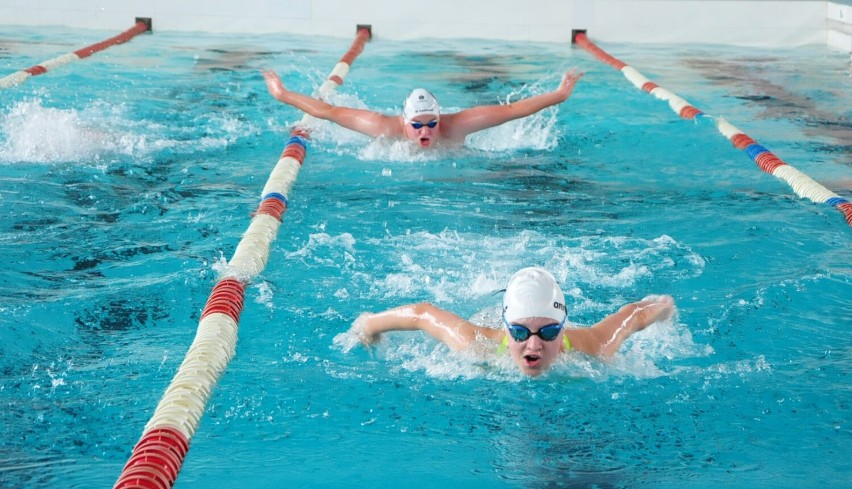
(535, 132)
(451, 267)
(265, 295)
(221, 131)
(662, 343)
(325, 249)
(538, 131)
(651, 353)
(464, 272)
(32, 131)
(460, 266)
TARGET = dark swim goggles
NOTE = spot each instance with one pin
(521, 333)
(417, 125)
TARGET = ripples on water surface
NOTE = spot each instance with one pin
(128, 179)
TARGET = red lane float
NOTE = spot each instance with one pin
(158, 457)
(141, 26)
(680, 106)
(767, 161)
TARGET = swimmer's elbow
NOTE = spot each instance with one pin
(642, 314)
(322, 110)
(432, 320)
(637, 314)
(423, 311)
(629, 309)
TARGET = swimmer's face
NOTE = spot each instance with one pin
(534, 356)
(423, 135)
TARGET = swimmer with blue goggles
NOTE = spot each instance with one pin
(421, 120)
(519, 332)
(534, 317)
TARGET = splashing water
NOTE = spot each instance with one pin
(36, 133)
(536, 132)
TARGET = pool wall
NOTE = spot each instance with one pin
(778, 23)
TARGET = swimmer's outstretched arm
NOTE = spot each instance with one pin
(482, 117)
(364, 121)
(604, 338)
(442, 325)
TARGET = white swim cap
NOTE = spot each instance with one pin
(533, 292)
(420, 102)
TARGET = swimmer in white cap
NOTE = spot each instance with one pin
(534, 323)
(421, 120)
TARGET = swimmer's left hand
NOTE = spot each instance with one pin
(274, 84)
(658, 308)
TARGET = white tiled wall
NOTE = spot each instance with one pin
(839, 17)
(742, 22)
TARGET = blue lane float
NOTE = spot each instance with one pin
(767, 161)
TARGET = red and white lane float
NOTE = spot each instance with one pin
(802, 184)
(142, 25)
(158, 456)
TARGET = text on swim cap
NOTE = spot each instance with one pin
(556, 305)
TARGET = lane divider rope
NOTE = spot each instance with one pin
(158, 456)
(767, 161)
(20, 76)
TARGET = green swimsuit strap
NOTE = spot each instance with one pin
(504, 345)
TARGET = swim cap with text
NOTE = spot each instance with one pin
(420, 102)
(533, 292)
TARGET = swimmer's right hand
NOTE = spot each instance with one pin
(360, 329)
(569, 79)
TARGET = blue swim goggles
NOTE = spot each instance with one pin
(521, 333)
(418, 125)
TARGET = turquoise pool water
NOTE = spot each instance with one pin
(128, 179)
